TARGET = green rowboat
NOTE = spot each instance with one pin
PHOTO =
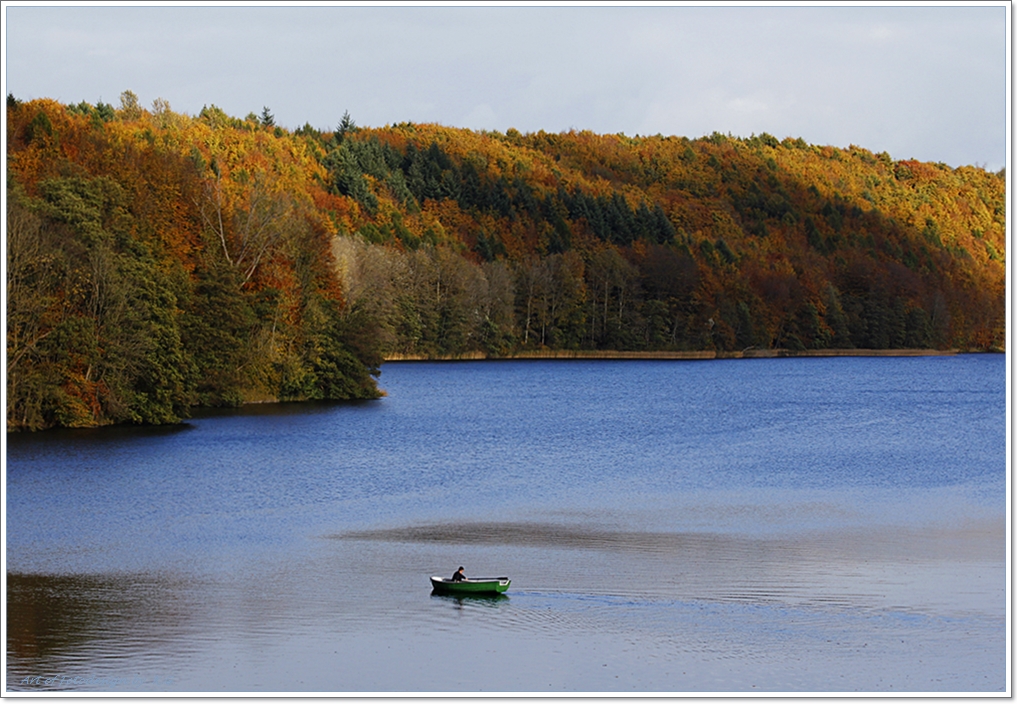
(475, 585)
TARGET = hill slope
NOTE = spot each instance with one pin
(158, 261)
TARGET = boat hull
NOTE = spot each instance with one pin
(480, 585)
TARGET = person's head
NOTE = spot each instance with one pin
(460, 569)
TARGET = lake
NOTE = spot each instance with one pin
(766, 525)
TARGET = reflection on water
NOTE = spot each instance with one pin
(806, 525)
(469, 600)
(878, 540)
(63, 628)
(47, 615)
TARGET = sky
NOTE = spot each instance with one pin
(925, 82)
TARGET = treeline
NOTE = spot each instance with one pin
(158, 261)
(432, 302)
(579, 241)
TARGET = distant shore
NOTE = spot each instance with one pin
(696, 354)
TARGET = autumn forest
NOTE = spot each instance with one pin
(158, 261)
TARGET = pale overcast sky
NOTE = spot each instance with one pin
(929, 83)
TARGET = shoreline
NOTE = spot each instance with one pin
(678, 355)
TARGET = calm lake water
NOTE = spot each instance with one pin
(772, 525)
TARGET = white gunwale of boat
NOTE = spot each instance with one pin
(473, 580)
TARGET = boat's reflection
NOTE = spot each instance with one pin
(470, 600)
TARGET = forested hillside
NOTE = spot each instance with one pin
(159, 261)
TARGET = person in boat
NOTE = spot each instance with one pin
(458, 576)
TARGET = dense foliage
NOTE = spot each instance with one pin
(158, 261)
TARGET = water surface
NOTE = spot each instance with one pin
(726, 525)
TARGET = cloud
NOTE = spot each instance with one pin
(927, 82)
(481, 117)
(747, 105)
(880, 33)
